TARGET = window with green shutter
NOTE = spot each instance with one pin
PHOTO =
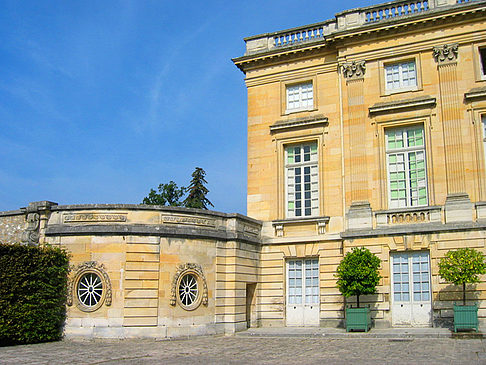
(406, 167)
(302, 180)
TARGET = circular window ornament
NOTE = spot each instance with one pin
(90, 287)
(189, 288)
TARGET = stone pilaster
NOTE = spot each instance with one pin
(359, 214)
(458, 205)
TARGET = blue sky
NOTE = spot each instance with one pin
(102, 100)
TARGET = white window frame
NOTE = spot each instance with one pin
(292, 210)
(406, 151)
(401, 73)
(302, 100)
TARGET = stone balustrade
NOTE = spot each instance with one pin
(408, 216)
(395, 9)
(344, 21)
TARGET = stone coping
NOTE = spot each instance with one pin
(151, 230)
(11, 212)
(421, 228)
(157, 208)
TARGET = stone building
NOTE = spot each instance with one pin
(364, 130)
(367, 130)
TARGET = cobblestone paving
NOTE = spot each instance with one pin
(241, 350)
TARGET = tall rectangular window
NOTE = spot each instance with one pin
(400, 76)
(300, 97)
(302, 176)
(407, 172)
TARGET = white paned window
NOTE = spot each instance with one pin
(401, 76)
(300, 97)
(302, 177)
(407, 172)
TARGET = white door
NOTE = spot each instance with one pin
(411, 298)
(303, 292)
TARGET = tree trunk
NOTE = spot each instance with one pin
(357, 299)
(463, 293)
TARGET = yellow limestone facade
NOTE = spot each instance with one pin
(368, 130)
(364, 130)
(148, 271)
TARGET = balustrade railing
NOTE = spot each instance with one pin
(345, 20)
(395, 10)
(408, 216)
(299, 36)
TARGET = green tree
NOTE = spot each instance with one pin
(196, 197)
(169, 194)
(357, 273)
(462, 266)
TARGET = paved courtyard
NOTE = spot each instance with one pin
(252, 350)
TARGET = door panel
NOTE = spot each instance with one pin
(303, 292)
(411, 299)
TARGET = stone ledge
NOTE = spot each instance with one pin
(149, 230)
(413, 229)
(157, 208)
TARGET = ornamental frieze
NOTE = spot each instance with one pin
(446, 54)
(354, 69)
(194, 221)
(90, 217)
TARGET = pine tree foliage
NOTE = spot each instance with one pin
(196, 197)
(462, 267)
(357, 273)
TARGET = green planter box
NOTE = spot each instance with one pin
(466, 317)
(358, 319)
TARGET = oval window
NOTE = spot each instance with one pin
(189, 295)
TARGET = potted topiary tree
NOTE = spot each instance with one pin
(462, 267)
(357, 274)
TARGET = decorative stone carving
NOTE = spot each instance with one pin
(31, 234)
(446, 54)
(354, 70)
(90, 217)
(197, 271)
(279, 230)
(79, 272)
(193, 221)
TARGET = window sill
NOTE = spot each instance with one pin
(401, 91)
(295, 111)
(320, 222)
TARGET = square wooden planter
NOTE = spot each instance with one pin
(358, 319)
(466, 317)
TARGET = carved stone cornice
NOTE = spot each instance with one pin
(354, 70)
(446, 54)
